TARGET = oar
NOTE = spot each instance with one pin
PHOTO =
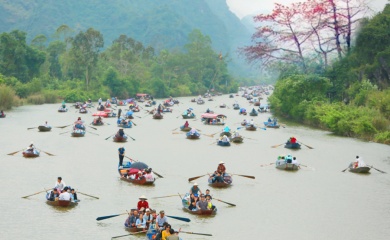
(64, 126)
(92, 133)
(179, 133)
(109, 136)
(164, 196)
(13, 153)
(265, 165)
(306, 166)
(203, 234)
(92, 127)
(174, 129)
(31, 128)
(87, 195)
(250, 138)
(64, 132)
(214, 134)
(131, 138)
(231, 204)
(377, 169)
(275, 146)
(262, 128)
(133, 123)
(180, 218)
(305, 145)
(109, 216)
(345, 169)
(132, 233)
(158, 175)
(247, 176)
(34, 194)
(193, 178)
(50, 154)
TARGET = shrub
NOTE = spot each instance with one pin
(8, 97)
(36, 99)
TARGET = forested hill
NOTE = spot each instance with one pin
(159, 23)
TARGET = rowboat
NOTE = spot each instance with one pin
(223, 144)
(78, 133)
(62, 203)
(222, 105)
(213, 119)
(200, 101)
(363, 169)
(242, 113)
(185, 116)
(100, 114)
(236, 106)
(244, 123)
(119, 138)
(292, 145)
(158, 116)
(123, 172)
(3, 116)
(29, 154)
(186, 203)
(257, 103)
(228, 180)
(283, 165)
(185, 129)
(195, 135)
(253, 114)
(210, 99)
(225, 134)
(238, 139)
(96, 123)
(271, 125)
(62, 109)
(83, 110)
(125, 125)
(251, 127)
(43, 128)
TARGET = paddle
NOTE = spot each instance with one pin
(109, 216)
(131, 138)
(174, 129)
(64, 132)
(377, 169)
(180, 218)
(250, 138)
(262, 128)
(177, 133)
(164, 196)
(345, 169)
(247, 176)
(231, 204)
(133, 123)
(13, 153)
(92, 127)
(158, 175)
(193, 178)
(87, 195)
(92, 133)
(275, 146)
(305, 145)
(64, 126)
(34, 194)
(50, 154)
(265, 165)
(109, 136)
(203, 234)
(132, 233)
(31, 128)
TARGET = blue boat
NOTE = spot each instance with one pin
(223, 144)
(122, 124)
(271, 125)
(292, 145)
(194, 135)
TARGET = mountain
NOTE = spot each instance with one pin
(159, 23)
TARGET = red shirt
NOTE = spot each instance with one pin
(293, 140)
(142, 204)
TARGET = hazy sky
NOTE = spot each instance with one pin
(243, 8)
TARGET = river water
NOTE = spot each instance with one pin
(316, 202)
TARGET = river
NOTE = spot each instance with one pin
(316, 202)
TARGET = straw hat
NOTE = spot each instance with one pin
(221, 162)
(143, 197)
(195, 184)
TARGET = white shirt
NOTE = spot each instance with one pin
(252, 122)
(64, 196)
(60, 185)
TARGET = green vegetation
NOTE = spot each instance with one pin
(349, 98)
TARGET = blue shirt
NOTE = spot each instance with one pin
(121, 150)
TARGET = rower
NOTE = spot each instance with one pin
(226, 129)
(186, 124)
(221, 169)
(60, 184)
(195, 190)
(252, 123)
(142, 203)
(31, 147)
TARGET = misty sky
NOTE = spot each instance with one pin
(243, 8)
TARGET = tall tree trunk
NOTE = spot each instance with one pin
(336, 28)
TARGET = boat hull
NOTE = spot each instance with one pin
(292, 145)
(360, 169)
(188, 117)
(30, 154)
(271, 125)
(228, 134)
(44, 128)
(228, 182)
(61, 203)
(158, 116)
(251, 128)
(237, 139)
(119, 139)
(134, 181)
(185, 129)
(253, 114)
(282, 165)
(223, 144)
(78, 134)
(186, 204)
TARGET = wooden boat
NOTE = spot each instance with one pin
(236, 106)
(253, 114)
(186, 203)
(62, 109)
(251, 127)
(139, 231)
(225, 134)
(242, 113)
(228, 182)
(43, 128)
(271, 125)
(78, 133)
(29, 154)
(158, 116)
(119, 138)
(200, 101)
(83, 111)
(223, 144)
(238, 139)
(193, 100)
(185, 116)
(244, 123)
(185, 129)
(121, 125)
(283, 165)
(123, 174)
(196, 135)
(231, 96)
(213, 119)
(222, 106)
(257, 103)
(62, 203)
(3, 116)
(167, 110)
(292, 145)
(95, 123)
(364, 169)
(210, 99)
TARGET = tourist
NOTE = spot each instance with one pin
(73, 195)
(121, 153)
(251, 123)
(148, 217)
(293, 140)
(161, 219)
(207, 195)
(166, 232)
(210, 205)
(174, 235)
(60, 185)
(195, 190)
(149, 175)
(132, 219)
(221, 169)
(186, 124)
(202, 204)
(142, 204)
(192, 206)
(141, 222)
(31, 148)
(53, 195)
(65, 195)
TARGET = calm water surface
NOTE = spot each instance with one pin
(318, 202)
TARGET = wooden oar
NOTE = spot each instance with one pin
(138, 116)
(247, 176)
(265, 165)
(193, 178)
(275, 146)
(262, 128)
(109, 136)
(92, 127)
(34, 194)
(64, 132)
(250, 138)
(165, 196)
(50, 154)
(231, 204)
(13, 153)
(132, 233)
(158, 175)
(174, 129)
(345, 169)
(178, 133)
(180, 218)
(377, 169)
(212, 135)
(203, 234)
(133, 123)
(109, 216)
(87, 195)
(64, 126)
(306, 145)
(92, 133)
(31, 128)
(131, 138)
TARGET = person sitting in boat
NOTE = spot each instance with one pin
(60, 184)
(202, 204)
(199, 98)
(174, 235)
(295, 161)
(252, 123)
(31, 148)
(207, 194)
(159, 109)
(210, 205)
(208, 110)
(195, 190)
(236, 134)
(65, 195)
(161, 220)
(221, 169)
(108, 103)
(140, 175)
(53, 195)
(99, 120)
(63, 104)
(100, 107)
(193, 131)
(148, 218)
(132, 219)
(79, 123)
(166, 233)
(242, 110)
(142, 203)
(289, 159)
(140, 222)
(293, 140)
(275, 121)
(149, 175)
(129, 114)
(121, 133)
(225, 138)
(73, 195)
(269, 120)
(253, 111)
(245, 122)
(186, 124)
(192, 206)
(100, 101)
(214, 121)
(226, 129)
(358, 162)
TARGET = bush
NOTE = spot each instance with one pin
(50, 97)
(8, 97)
(383, 137)
(36, 99)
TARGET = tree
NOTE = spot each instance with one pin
(55, 49)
